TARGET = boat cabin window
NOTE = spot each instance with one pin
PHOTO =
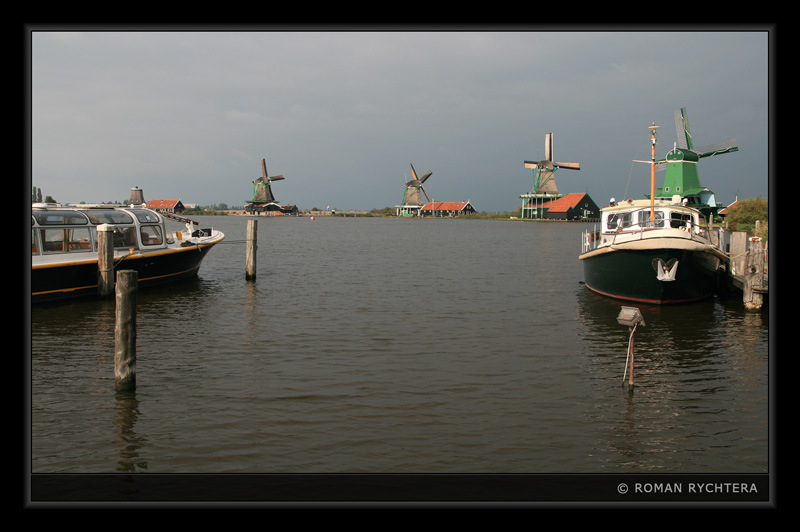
(60, 218)
(644, 219)
(109, 217)
(679, 219)
(64, 239)
(618, 220)
(145, 216)
(125, 237)
(151, 235)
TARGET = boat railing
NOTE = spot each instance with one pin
(634, 225)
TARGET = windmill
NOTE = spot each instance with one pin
(543, 171)
(263, 199)
(544, 186)
(262, 192)
(412, 196)
(680, 165)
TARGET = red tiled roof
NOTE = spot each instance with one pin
(162, 204)
(445, 205)
(725, 210)
(564, 203)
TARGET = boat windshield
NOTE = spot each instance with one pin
(639, 219)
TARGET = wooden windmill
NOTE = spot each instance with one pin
(263, 199)
(544, 184)
(262, 191)
(544, 170)
(412, 195)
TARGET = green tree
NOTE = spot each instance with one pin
(743, 216)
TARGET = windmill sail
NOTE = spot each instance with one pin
(544, 170)
(680, 164)
(414, 189)
(685, 138)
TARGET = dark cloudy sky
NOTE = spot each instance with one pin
(190, 114)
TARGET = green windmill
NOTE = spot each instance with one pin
(680, 168)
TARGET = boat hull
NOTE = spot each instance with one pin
(79, 278)
(631, 274)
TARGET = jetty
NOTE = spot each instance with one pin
(748, 269)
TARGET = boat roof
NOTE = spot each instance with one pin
(632, 204)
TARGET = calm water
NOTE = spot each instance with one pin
(381, 345)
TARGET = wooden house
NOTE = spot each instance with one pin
(170, 206)
(573, 206)
(446, 208)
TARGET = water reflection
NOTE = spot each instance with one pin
(694, 365)
(130, 443)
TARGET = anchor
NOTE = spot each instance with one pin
(665, 272)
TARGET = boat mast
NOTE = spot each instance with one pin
(653, 173)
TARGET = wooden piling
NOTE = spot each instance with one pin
(747, 269)
(105, 260)
(252, 248)
(738, 252)
(125, 331)
(754, 276)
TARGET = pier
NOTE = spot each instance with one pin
(748, 269)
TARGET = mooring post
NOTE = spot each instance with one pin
(105, 260)
(252, 247)
(125, 331)
(738, 252)
(754, 276)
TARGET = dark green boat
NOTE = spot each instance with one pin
(661, 250)
(671, 260)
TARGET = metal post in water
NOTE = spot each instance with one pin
(632, 317)
(252, 248)
(125, 331)
(105, 260)
(630, 355)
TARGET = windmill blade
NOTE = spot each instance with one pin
(568, 166)
(413, 172)
(719, 148)
(548, 147)
(268, 180)
(682, 129)
(265, 177)
(531, 164)
(425, 177)
(423, 191)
